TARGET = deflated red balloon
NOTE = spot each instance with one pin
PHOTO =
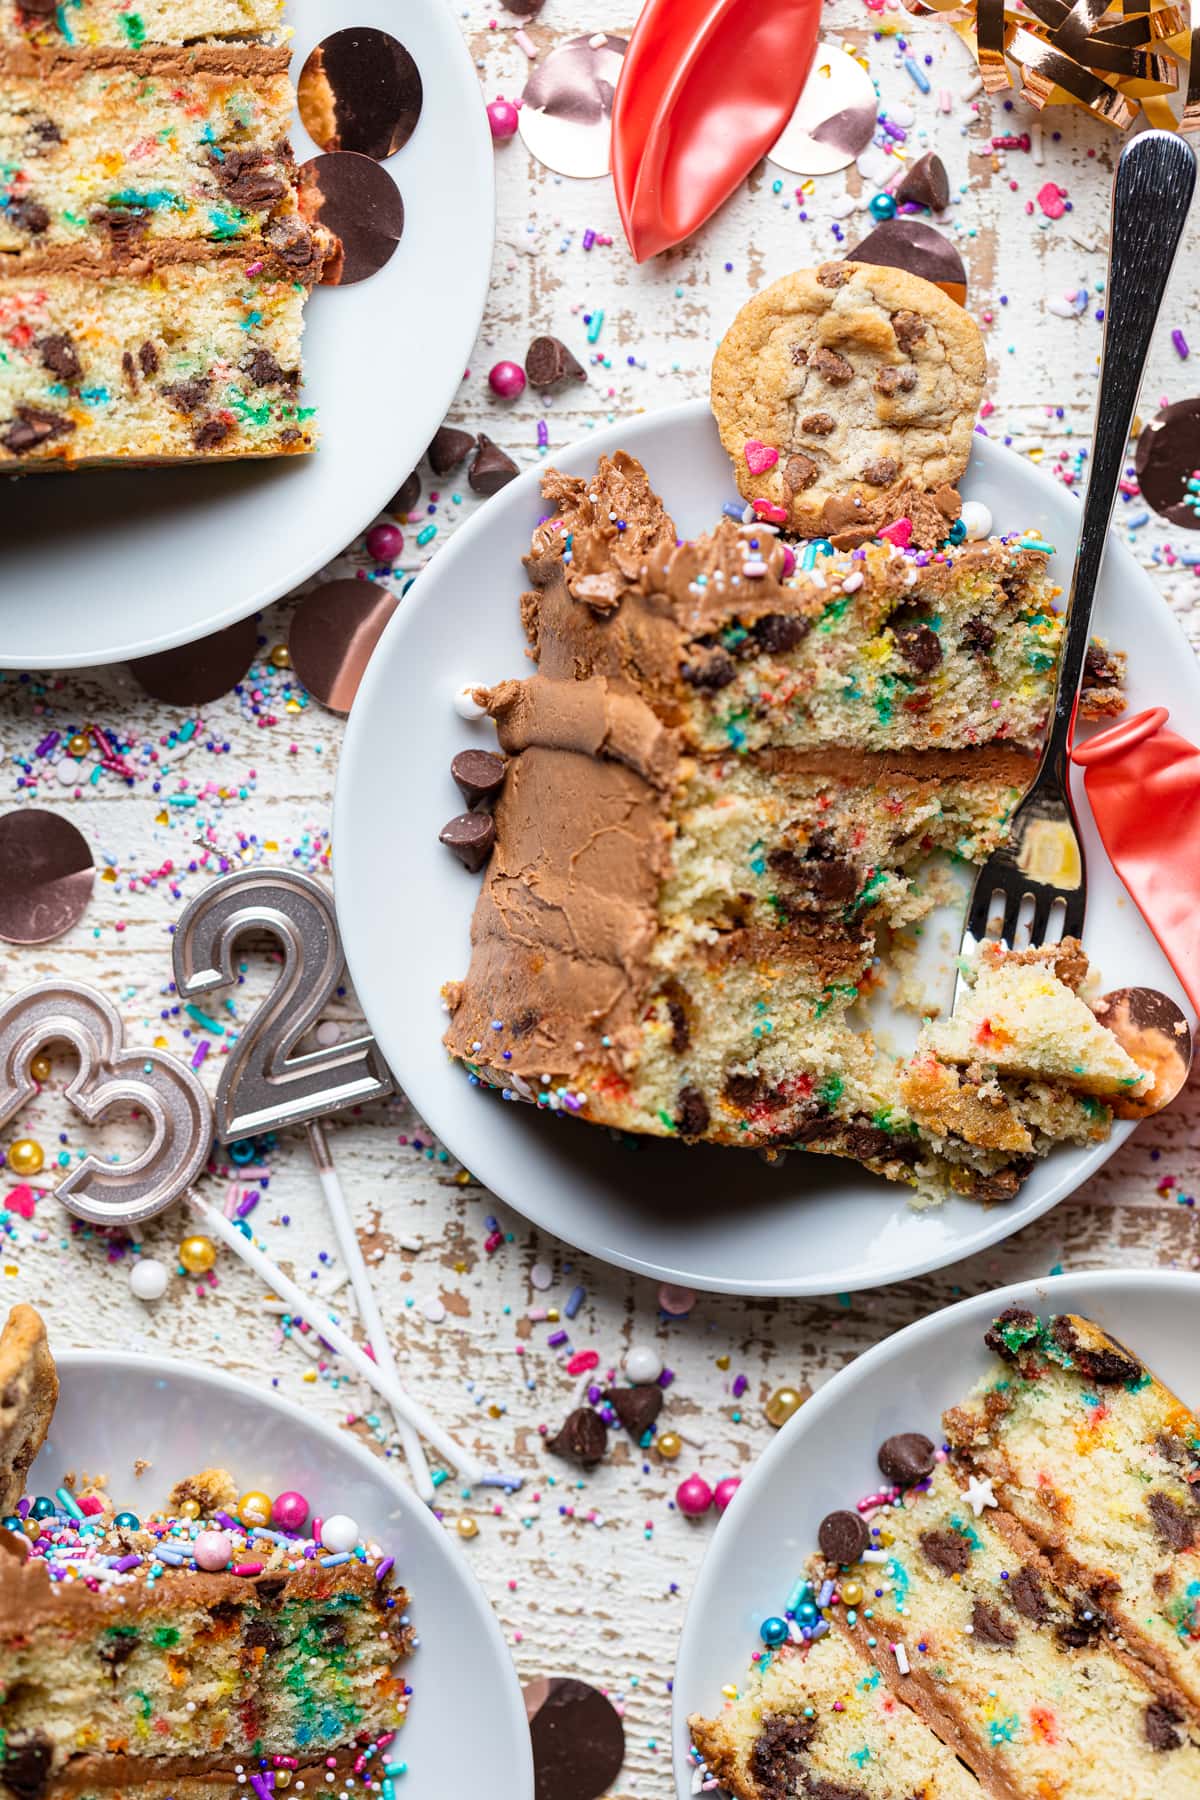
(706, 88)
(1144, 787)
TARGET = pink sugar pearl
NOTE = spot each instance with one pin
(290, 1511)
(212, 1550)
(693, 1496)
(502, 117)
(725, 1490)
(507, 379)
(384, 543)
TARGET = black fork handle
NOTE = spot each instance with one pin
(1151, 196)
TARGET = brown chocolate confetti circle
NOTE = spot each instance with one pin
(46, 875)
(913, 245)
(196, 674)
(578, 1739)
(360, 90)
(1154, 1031)
(834, 118)
(566, 110)
(334, 633)
(1167, 458)
(356, 200)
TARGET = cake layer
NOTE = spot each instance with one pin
(191, 360)
(183, 146)
(964, 1624)
(819, 1724)
(1101, 1465)
(129, 24)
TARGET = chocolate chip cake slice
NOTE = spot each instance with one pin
(1100, 1465)
(131, 24)
(818, 1723)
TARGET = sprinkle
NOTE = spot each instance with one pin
(1181, 344)
(68, 1503)
(901, 1656)
(385, 1568)
(248, 1568)
(595, 326)
(575, 1300)
(327, 1562)
(917, 74)
(527, 44)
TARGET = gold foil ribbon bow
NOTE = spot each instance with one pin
(1114, 63)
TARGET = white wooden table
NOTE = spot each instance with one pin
(588, 1576)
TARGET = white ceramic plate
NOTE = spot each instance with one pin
(183, 1418)
(824, 1457)
(106, 565)
(707, 1217)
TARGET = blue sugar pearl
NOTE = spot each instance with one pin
(773, 1631)
(11, 1523)
(806, 1613)
(127, 1521)
(43, 1508)
(956, 533)
(883, 206)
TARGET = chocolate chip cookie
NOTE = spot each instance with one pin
(847, 380)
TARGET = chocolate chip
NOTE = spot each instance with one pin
(548, 363)
(636, 1407)
(406, 496)
(148, 358)
(129, 369)
(1081, 1629)
(882, 472)
(990, 1627)
(492, 469)
(265, 371)
(818, 424)
(479, 774)
(920, 647)
(843, 1536)
(832, 365)
(33, 426)
(211, 434)
(582, 1438)
(909, 328)
(40, 9)
(892, 381)
(1107, 1365)
(681, 1034)
(822, 880)
(907, 1457)
(775, 1761)
(449, 449)
(978, 635)
(244, 179)
(45, 131)
(118, 1647)
(924, 183)
(1175, 1525)
(294, 244)
(29, 215)
(948, 1551)
(691, 1112)
(1159, 1721)
(867, 1142)
(817, 1788)
(27, 1761)
(188, 396)
(776, 633)
(799, 356)
(1025, 1591)
(709, 670)
(1011, 1330)
(260, 1634)
(470, 836)
(60, 356)
(1004, 1183)
(269, 1587)
(799, 472)
(124, 224)
(833, 274)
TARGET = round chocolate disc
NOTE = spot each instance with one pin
(578, 1739)
(46, 875)
(195, 674)
(834, 118)
(566, 111)
(334, 633)
(1167, 458)
(911, 244)
(1155, 1032)
(351, 196)
(360, 90)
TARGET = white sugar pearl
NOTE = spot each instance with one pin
(339, 1532)
(977, 518)
(71, 773)
(465, 703)
(642, 1363)
(541, 1275)
(148, 1278)
(328, 1033)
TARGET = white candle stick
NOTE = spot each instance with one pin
(364, 1294)
(301, 1304)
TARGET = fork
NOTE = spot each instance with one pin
(1042, 858)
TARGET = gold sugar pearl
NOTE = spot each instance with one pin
(852, 1593)
(189, 1509)
(79, 745)
(25, 1157)
(280, 657)
(668, 1444)
(467, 1528)
(723, 1362)
(41, 1068)
(197, 1254)
(783, 1403)
(254, 1508)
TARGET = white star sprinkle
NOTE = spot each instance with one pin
(979, 1494)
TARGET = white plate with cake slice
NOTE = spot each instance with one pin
(824, 1458)
(701, 1216)
(105, 565)
(148, 1422)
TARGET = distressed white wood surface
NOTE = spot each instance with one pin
(599, 1589)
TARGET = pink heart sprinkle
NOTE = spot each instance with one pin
(21, 1200)
(767, 509)
(759, 457)
(899, 532)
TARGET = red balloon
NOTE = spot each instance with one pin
(705, 89)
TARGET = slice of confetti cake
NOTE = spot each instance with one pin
(131, 24)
